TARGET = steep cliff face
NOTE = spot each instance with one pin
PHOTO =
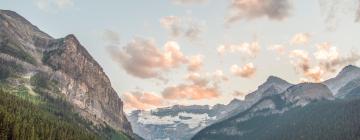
(84, 83)
(78, 77)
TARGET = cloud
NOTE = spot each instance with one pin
(219, 76)
(326, 60)
(172, 24)
(334, 10)
(251, 49)
(190, 92)
(182, 27)
(195, 62)
(330, 59)
(111, 37)
(238, 94)
(142, 100)
(301, 61)
(252, 9)
(197, 87)
(51, 4)
(215, 78)
(245, 71)
(141, 58)
(197, 79)
(189, 2)
(300, 39)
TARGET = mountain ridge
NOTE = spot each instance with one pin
(59, 68)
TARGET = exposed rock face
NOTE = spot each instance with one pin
(305, 93)
(273, 85)
(81, 79)
(85, 84)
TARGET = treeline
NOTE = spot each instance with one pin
(22, 120)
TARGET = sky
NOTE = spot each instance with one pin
(159, 53)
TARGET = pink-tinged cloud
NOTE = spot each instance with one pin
(330, 60)
(190, 92)
(252, 9)
(142, 100)
(219, 76)
(239, 94)
(141, 58)
(251, 49)
(195, 62)
(300, 39)
(245, 71)
(325, 61)
(214, 78)
(197, 79)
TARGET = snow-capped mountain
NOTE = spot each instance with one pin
(182, 122)
(171, 123)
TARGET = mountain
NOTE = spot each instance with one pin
(173, 123)
(48, 69)
(246, 124)
(346, 75)
(272, 83)
(303, 111)
(330, 120)
(182, 122)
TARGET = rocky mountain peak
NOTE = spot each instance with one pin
(80, 80)
(346, 75)
(271, 82)
(349, 69)
(275, 80)
(17, 28)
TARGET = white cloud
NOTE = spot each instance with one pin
(245, 71)
(325, 61)
(300, 39)
(252, 9)
(251, 49)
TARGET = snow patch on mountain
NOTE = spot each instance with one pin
(190, 119)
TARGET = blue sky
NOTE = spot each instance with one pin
(326, 37)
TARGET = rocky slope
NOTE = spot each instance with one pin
(67, 69)
(349, 73)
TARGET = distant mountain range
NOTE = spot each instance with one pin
(328, 110)
(254, 117)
